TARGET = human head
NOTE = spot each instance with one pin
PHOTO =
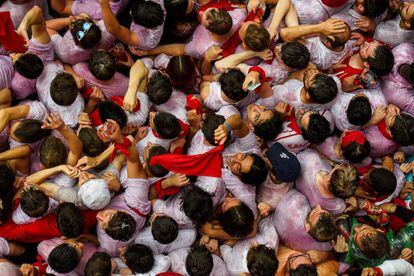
(407, 15)
(285, 165)
(217, 21)
(102, 65)
(315, 127)
(267, 124)
(407, 72)
(199, 261)
(63, 89)
(402, 129)
(138, 257)
(372, 242)
(182, 72)
(28, 65)
(377, 57)
(28, 131)
(301, 264)
(231, 83)
(359, 110)
(294, 55)
(354, 146)
(69, 220)
(65, 257)
(164, 229)
(254, 36)
(91, 144)
(196, 204)
(381, 181)
(94, 193)
(110, 110)
(165, 124)
(99, 264)
(371, 8)
(210, 124)
(237, 218)
(117, 224)
(85, 33)
(159, 88)
(249, 167)
(148, 14)
(34, 202)
(343, 181)
(53, 152)
(152, 151)
(340, 39)
(320, 87)
(7, 178)
(261, 261)
(321, 225)
(178, 8)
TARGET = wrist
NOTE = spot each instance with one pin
(165, 183)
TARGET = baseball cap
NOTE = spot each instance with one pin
(95, 194)
(286, 166)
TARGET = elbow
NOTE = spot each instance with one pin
(37, 11)
(284, 34)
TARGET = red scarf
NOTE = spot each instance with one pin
(382, 127)
(206, 164)
(334, 3)
(193, 104)
(219, 4)
(122, 147)
(9, 39)
(353, 136)
(293, 124)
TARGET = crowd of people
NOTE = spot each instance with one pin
(206, 137)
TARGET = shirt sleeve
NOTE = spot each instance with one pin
(4, 247)
(136, 194)
(396, 267)
(139, 117)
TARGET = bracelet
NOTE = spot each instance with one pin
(228, 127)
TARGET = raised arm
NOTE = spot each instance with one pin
(282, 8)
(62, 6)
(15, 153)
(12, 113)
(53, 26)
(41, 176)
(34, 19)
(137, 74)
(237, 58)
(177, 49)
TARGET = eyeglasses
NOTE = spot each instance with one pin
(85, 28)
(293, 258)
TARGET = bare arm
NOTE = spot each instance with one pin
(137, 77)
(15, 153)
(388, 163)
(234, 60)
(34, 19)
(12, 113)
(282, 8)
(53, 26)
(177, 49)
(62, 6)
(41, 176)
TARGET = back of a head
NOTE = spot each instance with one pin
(90, 37)
(323, 89)
(344, 181)
(102, 65)
(210, 124)
(258, 172)
(148, 14)
(295, 55)
(29, 66)
(7, 178)
(318, 129)
(34, 202)
(53, 152)
(238, 220)
(382, 62)
(257, 38)
(98, 265)
(402, 130)
(139, 258)
(69, 220)
(159, 88)
(324, 229)
(176, 8)
(374, 8)
(304, 269)
(359, 111)
(231, 83)
(63, 89)
(199, 261)
(121, 227)
(91, 144)
(167, 125)
(182, 72)
(30, 131)
(340, 39)
(157, 170)
(382, 181)
(164, 229)
(270, 128)
(110, 110)
(262, 261)
(219, 21)
(63, 258)
(375, 246)
(355, 152)
(197, 204)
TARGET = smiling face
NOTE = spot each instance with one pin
(297, 259)
(240, 163)
(361, 231)
(257, 114)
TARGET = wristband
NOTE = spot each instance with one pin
(228, 127)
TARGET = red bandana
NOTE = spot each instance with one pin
(9, 39)
(193, 104)
(122, 147)
(353, 136)
(382, 127)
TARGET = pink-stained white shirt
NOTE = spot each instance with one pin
(314, 11)
(290, 139)
(93, 9)
(161, 264)
(151, 138)
(6, 71)
(43, 51)
(19, 10)
(107, 39)
(4, 247)
(390, 33)
(67, 51)
(312, 164)
(172, 208)
(380, 146)
(397, 90)
(350, 16)
(20, 217)
(139, 117)
(271, 193)
(117, 86)
(289, 220)
(178, 258)
(175, 105)
(274, 71)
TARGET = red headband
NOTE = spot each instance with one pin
(353, 136)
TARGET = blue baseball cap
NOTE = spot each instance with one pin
(286, 166)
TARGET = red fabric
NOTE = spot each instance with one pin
(378, 271)
(334, 3)
(122, 147)
(259, 70)
(95, 118)
(348, 71)
(397, 223)
(162, 193)
(119, 100)
(206, 164)
(219, 4)
(86, 94)
(193, 104)
(41, 265)
(353, 136)
(293, 124)
(382, 127)
(9, 39)
(169, 274)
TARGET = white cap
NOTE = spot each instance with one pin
(95, 194)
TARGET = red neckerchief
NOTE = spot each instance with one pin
(193, 104)
(220, 4)
(41, 265)
(293, 124)
(382, 127)
(333, 3)
(122, 147)
(10, 40)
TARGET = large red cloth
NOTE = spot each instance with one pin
(219, 4)
(206, 164)
(334, 3)
(9, 39)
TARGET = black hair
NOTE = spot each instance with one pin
(270, 128)
(167, 125)
(257, 38)
(238, 220)
(121, 227)
(340, 39)
(374, 8)
(63, 258)
(382, 181)
(30, 131)
(182, 72)
(34, 202)
(29, 66)
(317, 130)
(356, 153)
(99, 264)
(324, 229)
(110, 110)
(304, 269)
(258, 171)
(159, 88)
(7, 178)
(148, 14)
(91, 144)
(69, 220)
(359, 111)
(53, 152)
(91, 37)
(219, 21)
(63, 89)
(323, 89)
(102, 65)
(197, 204)
(139, 258)
(164, 229)
(374, 246)
(176, 8)
(157, 170)
(210, 124)
(199, 261)
(407, 71)
(231, 83)
(295, 55)
(382, 61)
(402, 130)
(262, 261)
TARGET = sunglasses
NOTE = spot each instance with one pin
(85, 28)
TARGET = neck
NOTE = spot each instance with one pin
(322, 181)
(219, 38)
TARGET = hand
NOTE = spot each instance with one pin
(70, 171)
(340, 245)
(178, 180)
(264, 209)
(177, 143)
(220, 134)
(361, 193)
(84, 120)
(388, 207)
(332, 26)
(80, 82)
(19, 182)
(348, 83)
(407, 188)
(353, 205)
(265, 55)
(283, 108)
(115, 133)
(23, 32)
(97, 95)
(194, 119)
(393, 109)
(28, 270)
(360, 39)
(317, 256)
(129, 129)
(53, 121)
(204, 240)
(252, 78)
(368, 271)
(252, 5)
(366, 24)
(86, 163)
(130, 102)
(213, 53)
(138, 52)
(407, 167)
(379, 114)
(407, 254)
(212, 245)
(399, 157)
(112, 180)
